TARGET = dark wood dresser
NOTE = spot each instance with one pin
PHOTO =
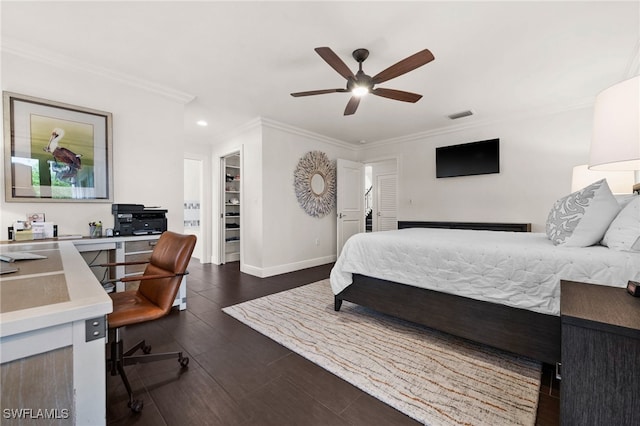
(600, 355)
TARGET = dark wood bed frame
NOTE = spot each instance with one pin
(521, 331)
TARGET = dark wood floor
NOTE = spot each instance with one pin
(236, 376)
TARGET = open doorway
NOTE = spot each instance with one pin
(365, 192)
(230, 207)
(368, 198)
(381, 195)
(193, 203)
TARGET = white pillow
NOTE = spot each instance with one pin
(581, 218)
(624, 199)
(624, 232)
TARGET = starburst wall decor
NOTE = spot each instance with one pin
(315, 183)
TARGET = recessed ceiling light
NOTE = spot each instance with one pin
(202, 123)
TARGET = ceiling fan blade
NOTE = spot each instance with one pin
(335, 62)
(352, 105)
(404, 66)
(397, 95)
(318, 92)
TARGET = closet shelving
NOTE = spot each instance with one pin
(231, 213)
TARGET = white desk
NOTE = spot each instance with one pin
(52, 338)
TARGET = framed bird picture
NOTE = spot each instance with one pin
(56, 152)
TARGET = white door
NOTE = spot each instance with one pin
(349, 200)
(386, 203)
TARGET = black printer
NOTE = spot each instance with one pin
(136, 219)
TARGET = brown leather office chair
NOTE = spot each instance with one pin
(159, 285)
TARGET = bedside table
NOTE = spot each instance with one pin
(600, 355)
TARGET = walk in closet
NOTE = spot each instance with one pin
(230, 216)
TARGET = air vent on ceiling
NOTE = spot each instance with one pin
(460, 114)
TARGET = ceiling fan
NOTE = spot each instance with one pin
(361, 84)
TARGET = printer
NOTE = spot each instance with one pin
(136, 219)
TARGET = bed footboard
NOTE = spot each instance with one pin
(481, 226)
(523, 332)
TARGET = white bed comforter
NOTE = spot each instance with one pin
(517, 269)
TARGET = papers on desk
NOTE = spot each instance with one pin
(19, 255)
(26, 230)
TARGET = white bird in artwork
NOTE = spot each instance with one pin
(63, 155)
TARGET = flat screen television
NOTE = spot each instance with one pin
(475, 158)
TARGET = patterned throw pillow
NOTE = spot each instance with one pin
(624, 232)
(580, 219)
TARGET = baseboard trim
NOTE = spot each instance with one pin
(283, 269)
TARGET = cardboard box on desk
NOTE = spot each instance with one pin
(22, 235)
(22, 231)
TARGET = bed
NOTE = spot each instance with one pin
(497, 288)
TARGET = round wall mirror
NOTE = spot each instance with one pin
(315, 183)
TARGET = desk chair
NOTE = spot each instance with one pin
(153, 299)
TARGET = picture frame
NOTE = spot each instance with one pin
(56, 152)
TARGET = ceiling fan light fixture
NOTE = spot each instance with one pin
(359, 84)
(360, 90)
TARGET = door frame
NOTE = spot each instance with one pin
(205, 204)
(372, 162)
(221, 204)
(352, 215)
(376, 200)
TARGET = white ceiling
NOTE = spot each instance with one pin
(241, 60)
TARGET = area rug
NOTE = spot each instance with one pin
(433, 377)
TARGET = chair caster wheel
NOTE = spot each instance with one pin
(146, 349)
(136, 405)
(184, 362)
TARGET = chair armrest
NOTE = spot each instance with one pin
(130, 278)
(138, 262)
(146, 277)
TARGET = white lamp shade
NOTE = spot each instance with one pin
(616, 128)
(620, 182)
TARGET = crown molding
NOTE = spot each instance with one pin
(534, 112)
(263, 122)
(28, 51)
(237, 131)
(267, 122)
(270, 123)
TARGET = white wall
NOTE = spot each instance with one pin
(537, 154)
(276, 235)
(290, 234)
(147, 142)
(248, 141)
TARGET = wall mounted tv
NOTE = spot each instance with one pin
(475, 158)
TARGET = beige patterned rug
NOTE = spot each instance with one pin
(432, 377)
